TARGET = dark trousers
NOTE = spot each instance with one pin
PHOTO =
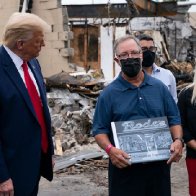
(35, 191)
(191, 168)
(44, 159)
(42, 169)
(150, 179)
(45, 171)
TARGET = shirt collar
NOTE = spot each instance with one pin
(124, 85)
(15, 58)
(155, 68)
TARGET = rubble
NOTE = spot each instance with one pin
(77, 160)
(183, 72)
(71, 100)
(85, 83)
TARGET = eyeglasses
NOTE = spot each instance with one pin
(151, 48)
(133, 54)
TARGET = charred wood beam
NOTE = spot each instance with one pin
(128, 10)
(29, 5)
(97, 11)
(20, 5)
(147, 7)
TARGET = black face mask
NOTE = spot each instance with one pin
(131, 66)
(148, 58)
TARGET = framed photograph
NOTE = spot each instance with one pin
(144, 140)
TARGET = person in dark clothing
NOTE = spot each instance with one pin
(135, 95)
(187, 107)
(26, 146)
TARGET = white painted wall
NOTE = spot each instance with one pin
(107, 50)
(120, 31)
(192, 16)
(106, 38)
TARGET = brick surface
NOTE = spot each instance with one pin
(51, 58)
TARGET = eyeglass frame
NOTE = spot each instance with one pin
(151, 48)
(133, 53)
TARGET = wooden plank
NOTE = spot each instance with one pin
(58, 150)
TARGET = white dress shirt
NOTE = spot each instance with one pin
(167, 77)
(18, 63)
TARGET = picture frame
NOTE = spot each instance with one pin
(145, 140)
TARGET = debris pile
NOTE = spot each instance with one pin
(91, 166)
(77, 158)
(89, 84)
(71, 100)
(183, 72)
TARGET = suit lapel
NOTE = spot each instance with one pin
(12, 72)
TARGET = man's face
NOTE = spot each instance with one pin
(148, 50)
(32, 47)
(129, 58)
(146, 44)
(128, 49)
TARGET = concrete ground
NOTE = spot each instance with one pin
(93, 182)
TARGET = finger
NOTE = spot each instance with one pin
(171, 159)
(174, 158)
(11, 193)
(125, 155)
(5, 188)
(123, 160)
(118, 163)
(129, 161)
(121, 166)
(172, 150)
(7, 194)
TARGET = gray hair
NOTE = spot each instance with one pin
(21, 26)
(125, 38)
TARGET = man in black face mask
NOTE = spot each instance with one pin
(135, 95)
(130, 61)
(149, 52)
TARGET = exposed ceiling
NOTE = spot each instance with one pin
(176, 10)
(128, 9)
(91, 2)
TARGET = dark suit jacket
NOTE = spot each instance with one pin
(20, 132)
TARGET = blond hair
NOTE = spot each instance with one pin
(21, 26)
(193, 86)
(193, 98)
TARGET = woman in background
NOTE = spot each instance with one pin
(187, 106)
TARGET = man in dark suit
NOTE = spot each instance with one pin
(26, 146)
